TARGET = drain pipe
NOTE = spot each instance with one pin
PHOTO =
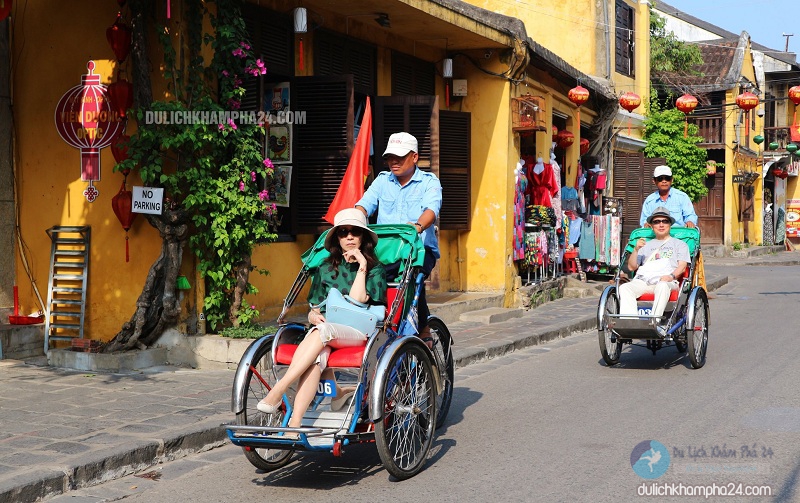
(608, 40)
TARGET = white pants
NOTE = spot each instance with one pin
(334, 335)
(633, 289)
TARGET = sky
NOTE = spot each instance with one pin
(764, 20)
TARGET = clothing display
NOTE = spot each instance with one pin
(542, 184)
(520, 187)
(769, 231)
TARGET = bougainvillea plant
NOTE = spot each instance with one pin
(208, 156)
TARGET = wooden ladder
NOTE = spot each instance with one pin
(66, 290)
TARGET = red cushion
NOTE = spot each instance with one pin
(391, 293)
(673, 296)
(343, 357)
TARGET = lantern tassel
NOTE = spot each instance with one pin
(685, 127)
(127, 249)
(301, 63)
(447, 94)
(169, 11)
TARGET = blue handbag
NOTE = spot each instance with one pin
(345, 310)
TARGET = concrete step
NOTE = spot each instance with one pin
(450, 305)
(492, 315)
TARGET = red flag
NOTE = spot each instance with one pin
(352, 186)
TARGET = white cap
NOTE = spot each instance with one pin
(662, 171)
(400, 144)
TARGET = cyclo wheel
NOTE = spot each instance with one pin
(443, 358)
(404, 434)
(609, 304)
(697, 329)
(258, 377)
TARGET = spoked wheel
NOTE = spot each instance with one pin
(405, 432)
(443, 354)
(697, 331)
(609, 304)
(258, 377)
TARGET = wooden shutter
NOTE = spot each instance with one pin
(633, 182)
(412, 76)
(322, 147)
(272, 39)
(418, 115)
(623, 39)
(454, 170)
(338, 55)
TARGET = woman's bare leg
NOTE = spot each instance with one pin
(303, 358)
(305, 394)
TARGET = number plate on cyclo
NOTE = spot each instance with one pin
(645, 311)
(326, 388)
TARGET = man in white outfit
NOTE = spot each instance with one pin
(656, 265)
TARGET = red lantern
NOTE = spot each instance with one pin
(122, 205)
(578, 95)
(84, 119)
(794, 95)
(584, 146)
(686, 104)
(5, 9)
(119, 147)
(564, 139)
(630, 102)
(119, 37)
(555, 133)
(121, 95)
(747, 101)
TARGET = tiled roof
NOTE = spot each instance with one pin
(721, 68)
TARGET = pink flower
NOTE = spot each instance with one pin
(246, 47)
(238, 53)
(268, 163)
(234, 104)
(263, 195)
(232, 124)
(253, 176)
(241, 186)
(225, 73)
(253, 308)
(262, 69)
(221, 126)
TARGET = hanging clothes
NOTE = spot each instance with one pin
(542, 184)
(520, 187)
(769, 230)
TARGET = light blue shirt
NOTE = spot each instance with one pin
(678, 203)
(398, 204)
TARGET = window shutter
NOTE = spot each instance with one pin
(455, 169)
(418, 115)
(321, 149)
(623, 49)
(337, 55)
(272, 39)
(412, 76)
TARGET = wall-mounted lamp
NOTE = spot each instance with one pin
(300, 20)
(447, 68)
(383, 20)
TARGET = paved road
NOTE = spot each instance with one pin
(552, 423)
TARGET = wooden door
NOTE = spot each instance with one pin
(711, 210)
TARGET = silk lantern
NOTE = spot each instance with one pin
(578, 95)
(747, 101)
(121, 95)
(584, 146)
(794, 95)
(686, 104)
(564, 139)
(630, 102)
(122, 204)
(555, 134)
(119, 37)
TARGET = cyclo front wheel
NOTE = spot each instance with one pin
(403, 435)
(258, 381)
(610, 345)
(443, 355)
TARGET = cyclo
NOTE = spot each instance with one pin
(403, 388)
(685, 318)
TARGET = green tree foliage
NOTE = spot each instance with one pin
(210, 168)
(667, 53)
(663, 131)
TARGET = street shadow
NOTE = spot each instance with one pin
(641, 358)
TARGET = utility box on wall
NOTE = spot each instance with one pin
(459, 87)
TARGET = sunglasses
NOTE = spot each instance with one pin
(659, 221)
(342, 232)
(663, 178)
(394, 159)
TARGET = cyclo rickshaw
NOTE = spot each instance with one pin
(403, 388)
(685, 319)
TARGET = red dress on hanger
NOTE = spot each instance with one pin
(542, 186)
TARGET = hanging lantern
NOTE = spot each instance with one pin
(747, 101)
(758, 139)
(84, 119)
(630, 102)
(792, 148)
(686, 104)
(122, 206)
(578, 95)
(5, 9)
(794, 95)
(584, 149)
(119, 147)
(121, 95)
(119, 37)
(773, 145)
(555, 134)
(564, 139)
